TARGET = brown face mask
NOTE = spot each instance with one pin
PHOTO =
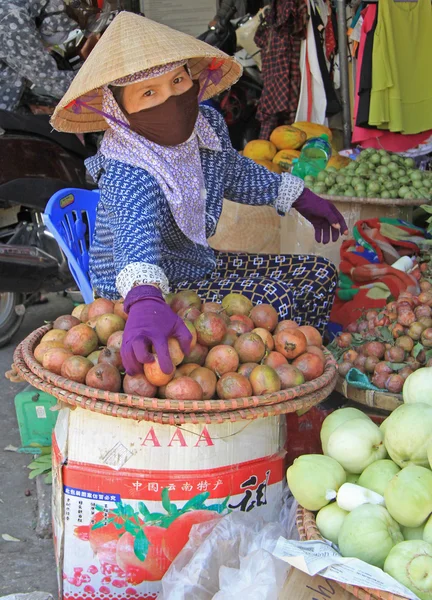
(171, 123)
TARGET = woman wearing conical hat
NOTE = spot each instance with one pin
(164, 167)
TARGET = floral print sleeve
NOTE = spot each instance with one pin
(23, 56)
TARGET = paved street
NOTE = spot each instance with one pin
(27, 565)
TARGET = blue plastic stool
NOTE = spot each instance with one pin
(69, 215)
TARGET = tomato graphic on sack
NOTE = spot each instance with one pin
(177, 534)
(142, 544)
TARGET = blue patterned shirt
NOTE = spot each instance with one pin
(136, 238)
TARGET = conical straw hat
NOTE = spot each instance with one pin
(132, 44)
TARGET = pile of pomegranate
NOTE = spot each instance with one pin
(390, 344)
(237, 350)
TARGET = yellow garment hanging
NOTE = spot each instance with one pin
(401, 97)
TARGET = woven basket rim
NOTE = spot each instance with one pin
(164, 417)
(308, 530)
(378, 201)
(370, 398)
(293, 395)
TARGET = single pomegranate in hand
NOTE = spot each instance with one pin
(291, 343)
(154, 373)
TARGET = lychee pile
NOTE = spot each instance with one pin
(237, 350)
(390, 344)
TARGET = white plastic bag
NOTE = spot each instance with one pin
(226, 558)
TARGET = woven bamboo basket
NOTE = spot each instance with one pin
(306, 526)
(171, 412)
(374, 399)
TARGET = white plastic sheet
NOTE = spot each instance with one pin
(231, 558)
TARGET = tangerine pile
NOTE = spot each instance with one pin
(237, 350)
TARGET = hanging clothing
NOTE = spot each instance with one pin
(299, 287)
(372, 137)
(365, 81)
(401, 98)
(312, 103)
(279, 38)
(333, 104)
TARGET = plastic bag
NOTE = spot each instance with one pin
(245, 38)
(231, 556)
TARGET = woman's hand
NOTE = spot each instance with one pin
(151, 322)
(323, 215)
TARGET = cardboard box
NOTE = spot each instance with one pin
(120, 487)
(299, 586)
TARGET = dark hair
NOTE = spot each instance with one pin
(117, 91)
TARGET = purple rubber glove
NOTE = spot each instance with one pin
(323, 216)
(150, 323)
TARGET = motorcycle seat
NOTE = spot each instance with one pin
(39, 125)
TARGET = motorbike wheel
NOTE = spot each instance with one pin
(11, 315)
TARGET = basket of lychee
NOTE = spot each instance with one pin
(388, 344)
(242, 358)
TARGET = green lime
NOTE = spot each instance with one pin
(382, 152)
(375, 159)
(349, 192)
(409, 162)
(321, 176)
(393, 194)
(332, 169)
(309, 180)
(416, 176)
(417, 184)
(374, 187)
(402, 172)
(404, 180)
(383, 170)
(393, 166)
(385, 160)
(341, 179)
(403, 190)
